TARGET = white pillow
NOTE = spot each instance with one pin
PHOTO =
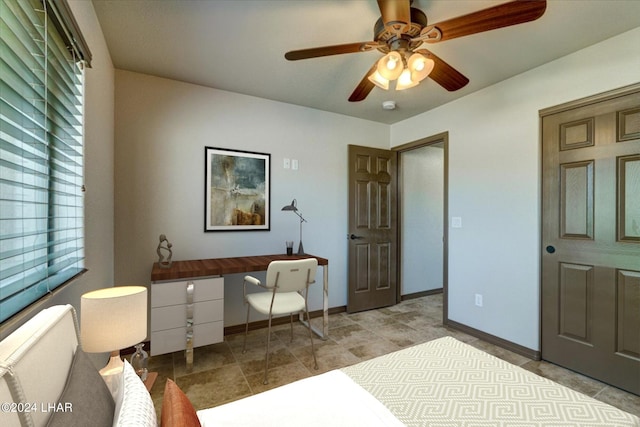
(115, 384)
(137, 408)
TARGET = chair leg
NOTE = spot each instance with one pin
(313, 350)
(246, 330)
(266, 357)
(291, 325)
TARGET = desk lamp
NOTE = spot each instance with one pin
(293, 208)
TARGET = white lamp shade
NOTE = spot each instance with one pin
(378, 80)
(420, 66)
(405, 80)
(113, 318)
(390, 66)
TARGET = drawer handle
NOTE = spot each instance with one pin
(189, 334)
(190, 291)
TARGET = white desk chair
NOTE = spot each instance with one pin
(285, 280)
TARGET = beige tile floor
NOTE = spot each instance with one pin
(222, 373)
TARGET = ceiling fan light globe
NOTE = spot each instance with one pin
(378, 80)
(406, 80)
(420, 66)
(390, 66)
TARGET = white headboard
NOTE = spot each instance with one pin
(34, 364)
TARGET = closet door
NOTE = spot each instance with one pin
(591, 239)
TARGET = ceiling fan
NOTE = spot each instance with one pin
(401, 31)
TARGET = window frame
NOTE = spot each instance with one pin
(58, 163)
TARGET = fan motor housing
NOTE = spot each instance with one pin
(388, 35)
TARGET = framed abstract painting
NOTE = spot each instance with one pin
(237, 190)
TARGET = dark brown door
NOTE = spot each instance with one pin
(591, 239)
(372, 228)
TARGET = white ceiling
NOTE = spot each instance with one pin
(239, 46)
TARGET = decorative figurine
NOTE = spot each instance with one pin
(162, 262)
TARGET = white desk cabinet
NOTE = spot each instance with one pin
(186, 314)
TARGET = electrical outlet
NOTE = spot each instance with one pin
(479, 300)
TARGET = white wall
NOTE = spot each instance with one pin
(422, 218)
(98, 140)
(494, 181)
(99, 152)
(162, 127)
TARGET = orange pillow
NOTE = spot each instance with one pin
(177, 410)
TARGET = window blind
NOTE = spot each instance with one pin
(41, 154)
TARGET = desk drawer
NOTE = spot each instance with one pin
(171, 340)
(174, 316)
(172, 293)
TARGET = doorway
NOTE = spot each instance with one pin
(378, 242)
(422, 210)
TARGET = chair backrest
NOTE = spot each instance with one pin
(292, 275)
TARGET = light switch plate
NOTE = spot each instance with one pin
(456, 222)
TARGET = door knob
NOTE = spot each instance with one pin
(354, 237)
(550, 249)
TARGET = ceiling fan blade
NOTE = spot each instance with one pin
(364, 87)
(395, 13)
(503, 15)
(339, 49)
(444, 74)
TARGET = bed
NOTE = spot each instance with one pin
(443, 382)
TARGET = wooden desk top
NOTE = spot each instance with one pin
(222, 266)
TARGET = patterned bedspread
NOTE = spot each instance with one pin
(448, 383)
